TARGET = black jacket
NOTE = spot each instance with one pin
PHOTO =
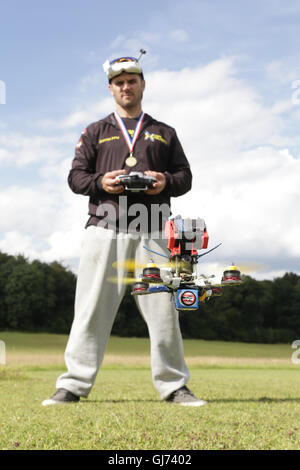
(102, 148)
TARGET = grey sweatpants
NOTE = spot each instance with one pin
(96, 305)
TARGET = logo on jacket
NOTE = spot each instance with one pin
(79, 143)
(154, 137)
(109, 139)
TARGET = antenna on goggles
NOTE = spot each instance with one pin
(142, 51)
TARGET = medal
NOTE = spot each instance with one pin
(131, 160)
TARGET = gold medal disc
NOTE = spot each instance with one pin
(131, 161)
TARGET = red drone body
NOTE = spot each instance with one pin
(186, 236)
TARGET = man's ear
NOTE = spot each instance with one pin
(110, 89)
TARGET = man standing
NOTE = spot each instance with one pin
(127, 140)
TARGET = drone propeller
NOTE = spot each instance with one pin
(245, 268)
(124, 280)
(251, 267)
(132, 280)
(130, 265)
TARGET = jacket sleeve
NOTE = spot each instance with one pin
(83, 178)
(178, 174)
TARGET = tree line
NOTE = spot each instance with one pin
(35, 296)
(38, 296)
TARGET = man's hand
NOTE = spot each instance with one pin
(160, 184)
(110, 185)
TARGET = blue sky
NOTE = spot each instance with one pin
(46, 48)
(243, 54)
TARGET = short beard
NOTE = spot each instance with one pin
(132, 105)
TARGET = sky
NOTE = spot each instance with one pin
(225, 75)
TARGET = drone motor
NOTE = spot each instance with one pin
(231, 274)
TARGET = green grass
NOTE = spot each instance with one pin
(253, 403)
(37, 346)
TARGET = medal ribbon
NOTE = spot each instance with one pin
(130, 142)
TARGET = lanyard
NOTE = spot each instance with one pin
(131, 160)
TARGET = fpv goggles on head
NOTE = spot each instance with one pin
(123, 64)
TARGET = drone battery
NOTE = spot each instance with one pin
(186, 299)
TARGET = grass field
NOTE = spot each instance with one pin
(253, 394)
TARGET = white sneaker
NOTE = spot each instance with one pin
(183, 396)
(61, 397)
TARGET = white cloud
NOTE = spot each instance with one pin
(281, 72)
(43, 222)
(21, 150)
(5, 156)
(211, 108)
(80, 117)
(16, 243)
(283, 106)
(28, 210)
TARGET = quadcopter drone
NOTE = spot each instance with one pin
(179, 276)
